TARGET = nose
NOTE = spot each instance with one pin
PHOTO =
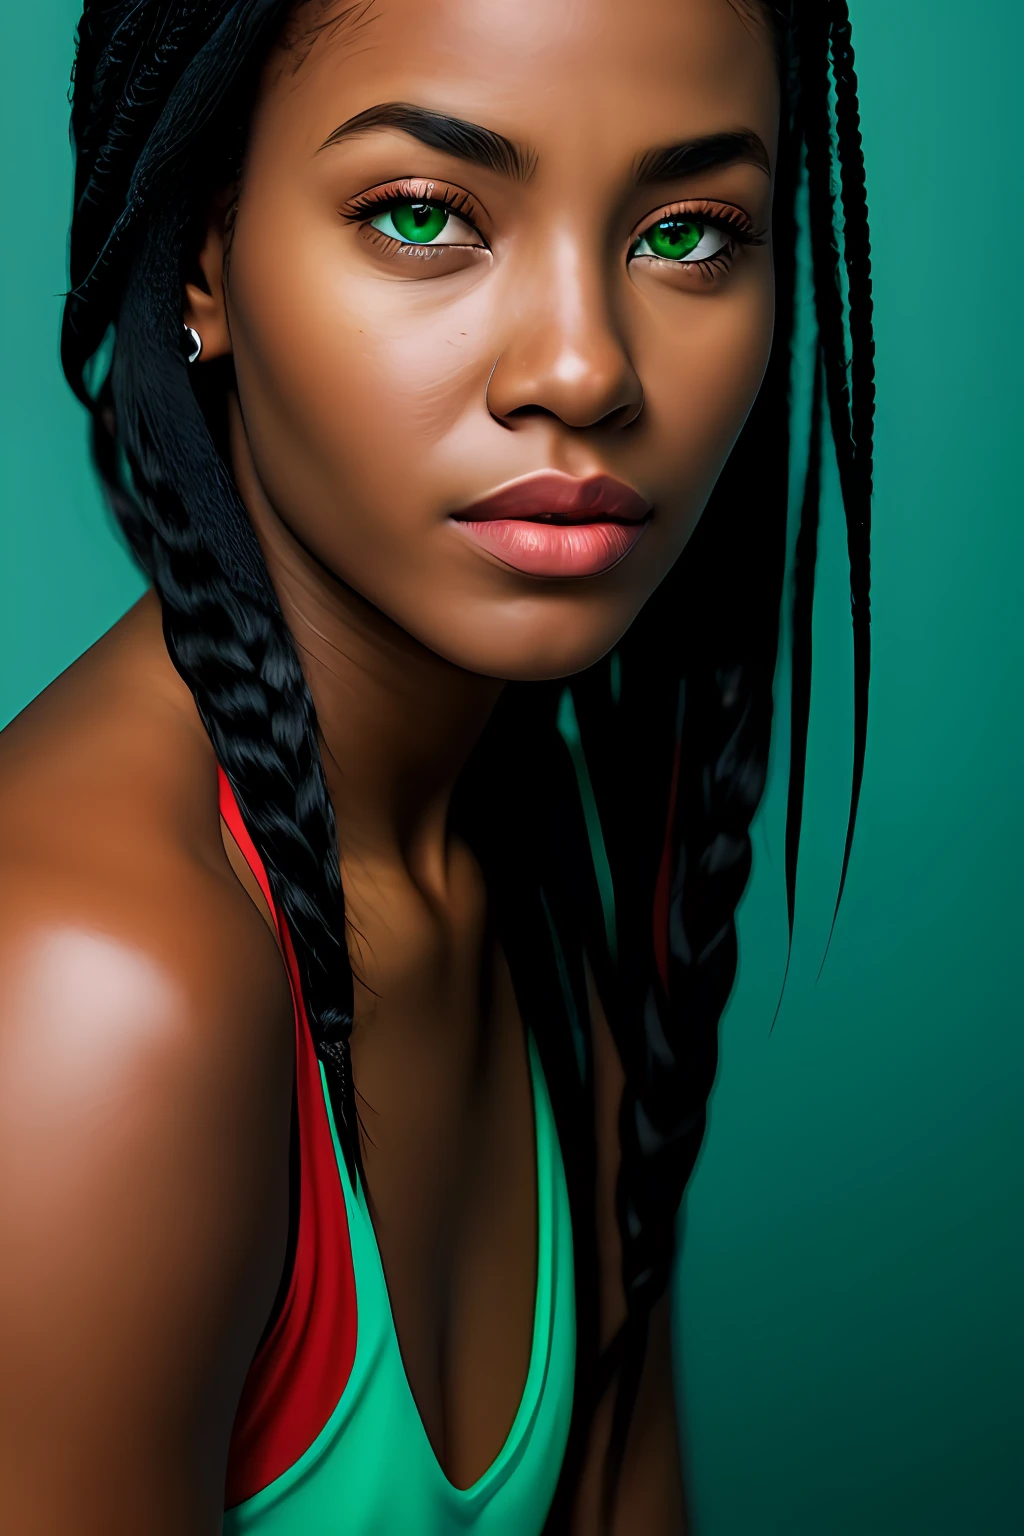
(564, 354)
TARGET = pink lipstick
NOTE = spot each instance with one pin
(551, 524)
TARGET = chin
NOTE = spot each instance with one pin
(556, 651)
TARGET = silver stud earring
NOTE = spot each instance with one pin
(195, 343)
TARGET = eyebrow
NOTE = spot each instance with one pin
(705, 154)
(466, 141)
(494, 152)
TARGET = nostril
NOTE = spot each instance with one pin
(626, 415)
(586, 389)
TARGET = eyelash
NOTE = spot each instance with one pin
(369, 205)
(721, 216)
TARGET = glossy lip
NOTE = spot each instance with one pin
(549, 493)
(554, 525)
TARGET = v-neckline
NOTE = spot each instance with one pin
(541, 1305)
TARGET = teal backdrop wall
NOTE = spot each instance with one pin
(849, 1296)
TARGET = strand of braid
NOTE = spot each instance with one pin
(724, 737)
(841, 261)
(157, 88)
(857, 457)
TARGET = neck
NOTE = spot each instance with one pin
(397, 721)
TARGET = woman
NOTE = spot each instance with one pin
(360, 975)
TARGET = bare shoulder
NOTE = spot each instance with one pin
(145, 1099)
(113, 870)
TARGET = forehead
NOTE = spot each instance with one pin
(597, 78)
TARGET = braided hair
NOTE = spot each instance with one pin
(696, 676)
(159, 91)
(643, 887)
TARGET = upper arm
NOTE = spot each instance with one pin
(650, 1496)
(144, 1115)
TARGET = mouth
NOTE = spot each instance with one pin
(550, 497)
(555, 525)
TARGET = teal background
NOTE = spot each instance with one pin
(850, 1343)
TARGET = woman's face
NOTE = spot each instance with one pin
(511, 245)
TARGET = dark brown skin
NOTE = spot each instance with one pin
(146, 1034)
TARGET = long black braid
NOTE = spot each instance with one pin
(690, 736)
(161, 90)
(163, 93)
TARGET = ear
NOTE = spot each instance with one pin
(205, 307)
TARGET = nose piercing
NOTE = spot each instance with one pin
(194, 344)
(490, 376)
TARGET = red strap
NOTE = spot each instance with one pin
(300, 1370)
(240, 832)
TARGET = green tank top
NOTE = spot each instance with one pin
(372, 1470)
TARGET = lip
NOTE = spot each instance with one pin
(599, 521)
(547, 492)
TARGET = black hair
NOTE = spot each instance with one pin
(654, 759)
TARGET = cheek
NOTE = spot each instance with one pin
(709, 368)
(329, 358)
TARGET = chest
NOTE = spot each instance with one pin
(447, 1106)
(449, 1140)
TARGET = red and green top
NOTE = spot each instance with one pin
(327, 1439)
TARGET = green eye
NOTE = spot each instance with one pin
(674, 239)
(691, 241)
(415, 223)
